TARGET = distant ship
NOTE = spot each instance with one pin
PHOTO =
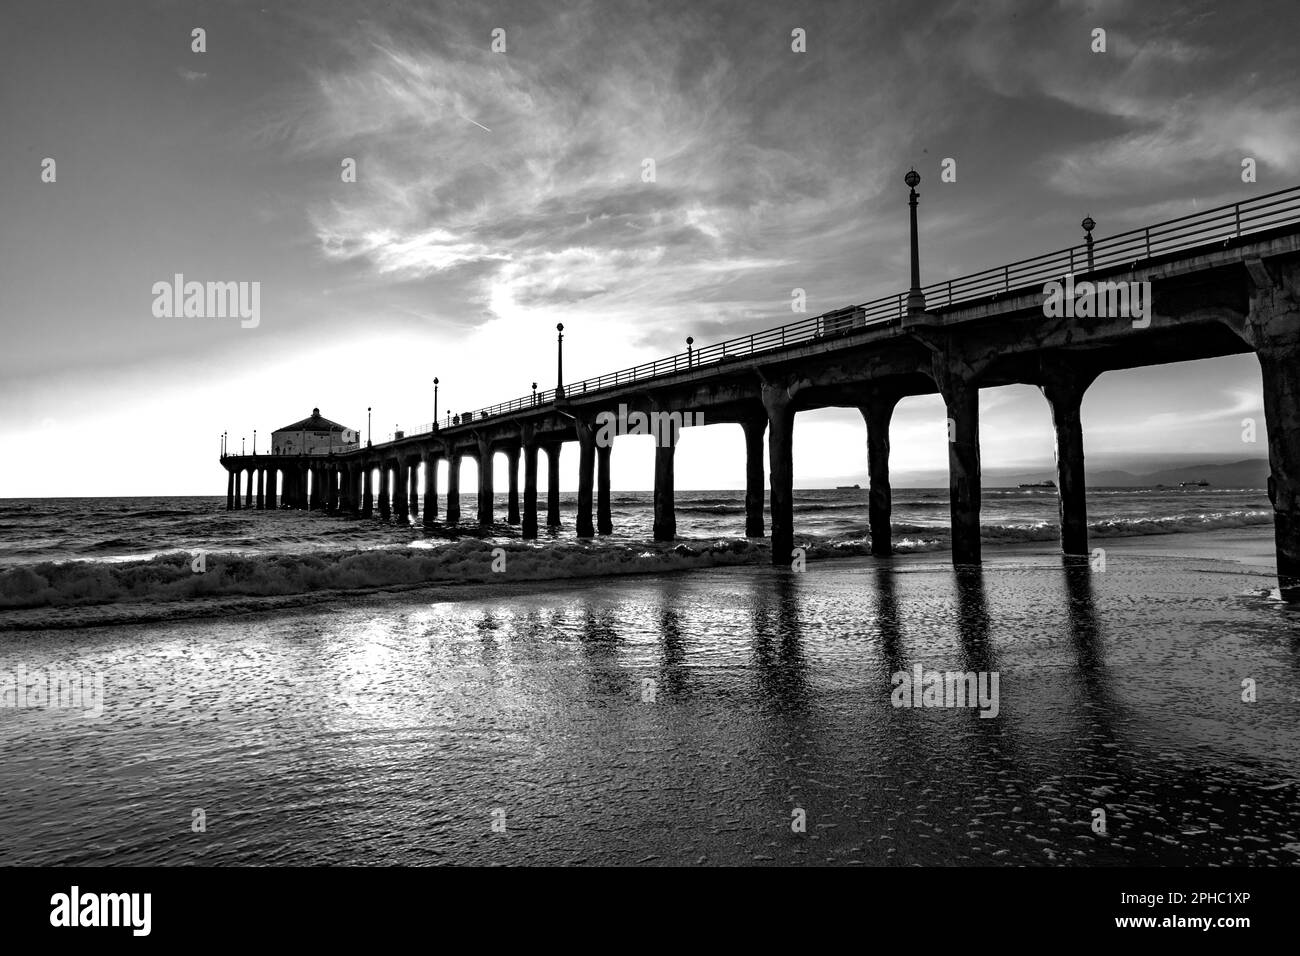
(1039, 484)
(848, 487)
(1193, 484)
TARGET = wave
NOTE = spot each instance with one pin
(919, 537)
(113, 545)
(808, 506)
(1174, 524)
(92, 592)
(173, 578)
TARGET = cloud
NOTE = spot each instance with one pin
(553, 204)
(1165, 105)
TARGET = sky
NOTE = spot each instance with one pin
(499, 192)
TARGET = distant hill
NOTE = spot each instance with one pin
(1250, 473)
(1247, 473)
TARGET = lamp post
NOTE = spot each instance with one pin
(435, 404)
(690, 341)
(534, 393)
(368, 410)
(254, 441)
(241, 446)
(915, 297)
(1089, 224)
(559, 361)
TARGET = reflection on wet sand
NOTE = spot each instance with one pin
(387, 733)
(1085, 632)
(780, 669)
(672, 641)
(886, 618)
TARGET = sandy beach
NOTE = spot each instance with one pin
(683, 718)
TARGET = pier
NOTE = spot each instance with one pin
(1220, 282)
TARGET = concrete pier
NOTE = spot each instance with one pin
(586, 527)
(1272, 327)
(553, 484)
(957, 384)
(453, 488)
(430, 489)
(530, 449)
(755, 428)
(385, 512)
(665, 505)
(401, 491)
(778, 402)
(1210, 295)
(877, 413)
(347, 496)
(1281, 374)
(413, 470)
(512, 485)
(604, 518)
(1063, 387)
(486, 488)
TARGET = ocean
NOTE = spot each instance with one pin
(326, 690)
(75, 561)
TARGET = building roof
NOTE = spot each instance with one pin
(314, 424)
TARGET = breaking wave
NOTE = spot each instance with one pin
(171, 580)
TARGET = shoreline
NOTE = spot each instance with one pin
(1248, 549)
(1251, 545)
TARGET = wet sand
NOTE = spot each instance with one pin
(400, 728)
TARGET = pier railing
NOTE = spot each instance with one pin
(1218, 225)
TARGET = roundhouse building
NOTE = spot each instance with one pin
(314, 436)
